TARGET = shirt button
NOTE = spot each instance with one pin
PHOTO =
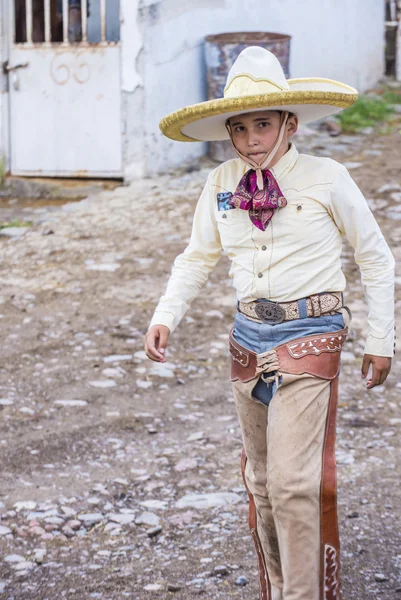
(260, 275)
(264, 248)
(224, 216)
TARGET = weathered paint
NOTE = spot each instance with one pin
(133, 94)
(74, 91)
(76, 127)
(163, 68)
(326, 40)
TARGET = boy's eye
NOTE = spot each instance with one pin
(264, 123)
(239, 128)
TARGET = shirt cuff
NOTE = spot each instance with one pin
(380, 345)
(163, 318)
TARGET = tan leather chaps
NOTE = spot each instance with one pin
(288, 464)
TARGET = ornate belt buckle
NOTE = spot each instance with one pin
(270, 312)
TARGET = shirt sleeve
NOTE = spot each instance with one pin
(191, 268)
(355, 220)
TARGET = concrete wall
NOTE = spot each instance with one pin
(340, 39)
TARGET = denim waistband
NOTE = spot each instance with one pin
(261, 337)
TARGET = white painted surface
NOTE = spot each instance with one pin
(65, 111)
(339, 39)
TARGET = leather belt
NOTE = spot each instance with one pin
(266, 311)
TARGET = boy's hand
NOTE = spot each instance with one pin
(156, 341)
(381, 366)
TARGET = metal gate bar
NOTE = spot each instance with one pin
(65, 21)
(48, 33)
(103, 20)
(84, 20)
(28, 8)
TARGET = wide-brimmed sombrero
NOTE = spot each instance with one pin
(256, 81)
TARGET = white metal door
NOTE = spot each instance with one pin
(64, 83)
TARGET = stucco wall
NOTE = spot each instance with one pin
(341, 39)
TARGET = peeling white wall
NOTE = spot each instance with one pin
(132, 90)
(340, 39)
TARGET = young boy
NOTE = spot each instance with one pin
(280, 217)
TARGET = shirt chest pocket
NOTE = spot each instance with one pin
(235, 227)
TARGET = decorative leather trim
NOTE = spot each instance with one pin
(329, 536)
(264, 582)
(316, 346)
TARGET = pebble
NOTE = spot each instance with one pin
(24, 566)
(6, 402)
(14, 558)
(241, 580)
(153, 587)
(122, 519)
(103, 383)
(91, 518)
(380, 577)
(186, 464)
(195, 437)
(144, 385)
(28, 505)
(352, 165)
(220, 570)
(155, 504)
(4, 530)
(71, 402)
(162, 370)
(173, 587)
(389, 187)
(154, 531)
(117, 358)
(211, 500)
(13, 231)
(148, 518)
(39, 555)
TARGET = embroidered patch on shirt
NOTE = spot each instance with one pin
(222, 201)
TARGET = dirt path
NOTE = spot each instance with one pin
(102, 452)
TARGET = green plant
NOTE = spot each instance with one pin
(2, 169)
(366, 112)
(392, 97)
(16, 224)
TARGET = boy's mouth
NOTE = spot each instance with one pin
(256, 155)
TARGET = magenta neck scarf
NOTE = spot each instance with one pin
(261, 204)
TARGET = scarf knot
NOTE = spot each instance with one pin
(261, 203)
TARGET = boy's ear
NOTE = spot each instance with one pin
(292, 125)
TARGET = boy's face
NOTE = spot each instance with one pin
(254, 133)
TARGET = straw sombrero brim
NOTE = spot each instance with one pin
(309, 99)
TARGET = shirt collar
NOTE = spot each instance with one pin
(286, 162)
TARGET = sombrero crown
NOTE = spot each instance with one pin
(256, 81)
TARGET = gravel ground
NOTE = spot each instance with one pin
(120, 477)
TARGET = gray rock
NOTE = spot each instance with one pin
(14, 558)
(24, 566)
(173, 587)
(14, 231)
(221, 570)
(154, 531)
(241, 580)
(389, 187)
(211, 500)
(71, 402)
(91, 518)
(380, 577)
(148, 518)
(4, 530)
(122, 519)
